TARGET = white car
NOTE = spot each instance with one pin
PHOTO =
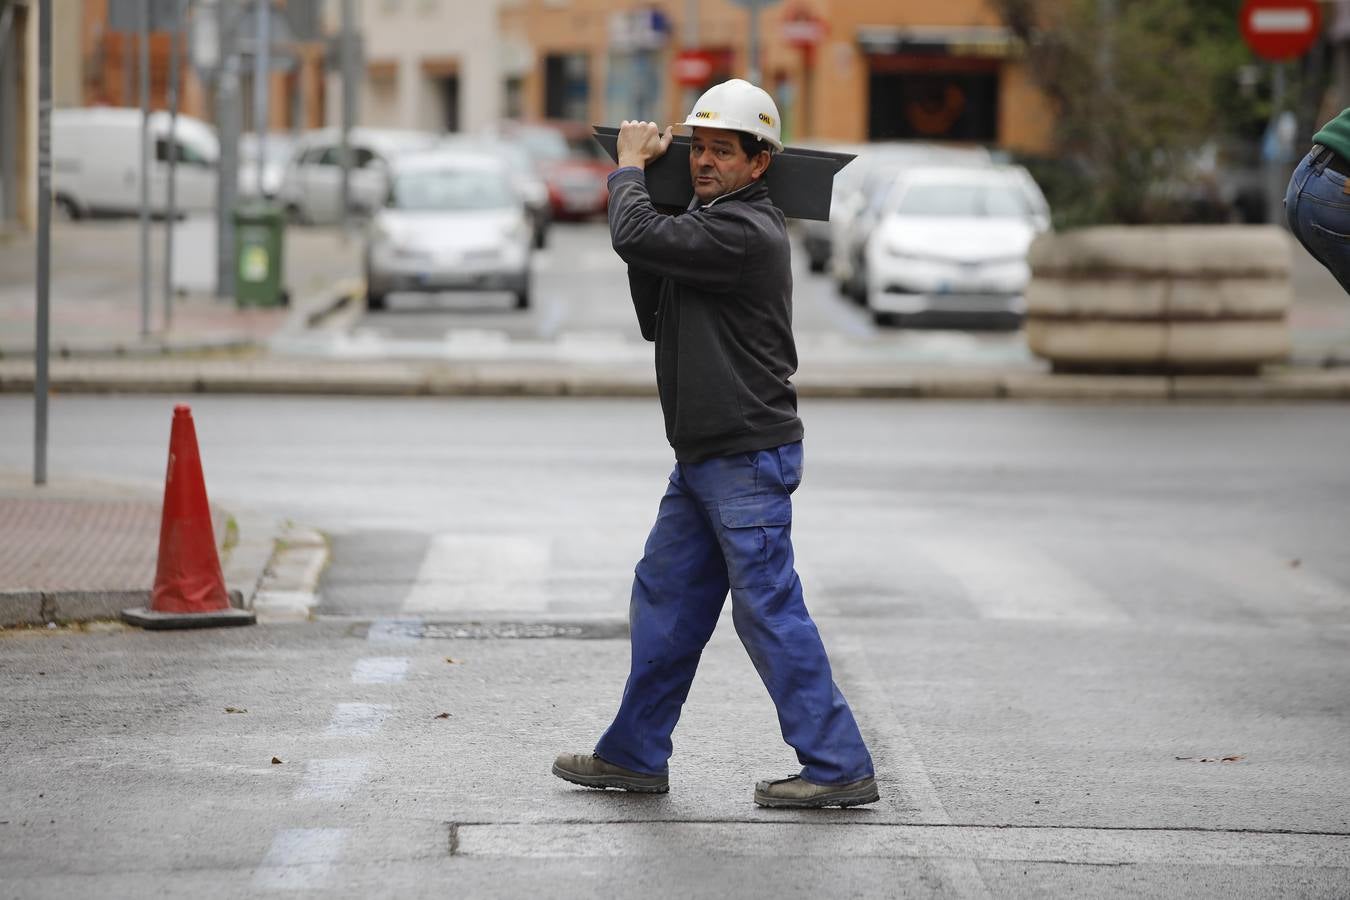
(524, 175)
(311, 185)
(96, 162)
(261, 178)
(452, 222)
(953, 242)
(860, 190)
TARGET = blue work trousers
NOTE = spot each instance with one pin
(727, 523)
(1318, 208)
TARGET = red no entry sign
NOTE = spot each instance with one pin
(1280, 29)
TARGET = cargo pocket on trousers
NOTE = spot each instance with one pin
(756, 538)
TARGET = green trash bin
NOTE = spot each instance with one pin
(259, 231)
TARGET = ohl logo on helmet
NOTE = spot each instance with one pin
(766, 119)
(705, 114)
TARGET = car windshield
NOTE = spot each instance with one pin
(544, 144)
(965, 200)
(451, 189)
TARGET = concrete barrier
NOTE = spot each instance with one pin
(1176, 298)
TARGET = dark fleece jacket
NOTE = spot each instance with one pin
(713, 288)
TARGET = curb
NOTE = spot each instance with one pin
(270, 376)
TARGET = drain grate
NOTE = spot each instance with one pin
(406, 629)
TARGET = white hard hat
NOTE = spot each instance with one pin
(739, 106)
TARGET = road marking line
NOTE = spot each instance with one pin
(1266, 583)
(299, 859)
(395, 629)
(1006, 580)
(900, 769)
(1075, 846)
(357, 719)
(332, 779)
(501, 573)
(380, 670)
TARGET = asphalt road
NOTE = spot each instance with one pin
(1055, 624)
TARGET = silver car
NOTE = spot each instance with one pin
(452, 222)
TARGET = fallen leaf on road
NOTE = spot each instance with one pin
(1210, 759)
(276, 761)
(443, 716)
(235, 709)
(1295, 563)
(453, 662)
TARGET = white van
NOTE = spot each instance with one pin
(96, 161)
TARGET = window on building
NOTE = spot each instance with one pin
(934, 106)
(567, 91)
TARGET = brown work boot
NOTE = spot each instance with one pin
(592, 771)
(798, 793)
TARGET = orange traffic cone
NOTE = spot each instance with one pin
(189, 587)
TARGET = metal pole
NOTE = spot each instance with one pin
(44, 242)
(180, 13)
(144, 10)
(227, 168)
(348, 109)
(753, 50)
(261, 94)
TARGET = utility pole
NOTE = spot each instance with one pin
(348, 109)
(143, 10)
(262, 65)
(227, 126)
(753, 48)
(44, 240)
(171, 201)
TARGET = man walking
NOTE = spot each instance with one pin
(713, 288)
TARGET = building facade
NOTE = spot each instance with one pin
(841, 70)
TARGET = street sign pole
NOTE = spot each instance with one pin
(144, 38)
(44, 240)
(261, 67)
(171, 201)
(753, 48)
(348, 111)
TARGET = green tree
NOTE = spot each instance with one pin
(1139, 86)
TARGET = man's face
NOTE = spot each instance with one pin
(719, 166)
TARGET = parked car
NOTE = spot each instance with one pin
(524, 172)
(311, 186)
(953, 242)
(854, 213)
(452, 222)
(575, 167)
(262, 178)
(96, 162)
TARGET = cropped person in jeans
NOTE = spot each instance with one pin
(1318, 200)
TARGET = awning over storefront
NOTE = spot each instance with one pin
(936, 40)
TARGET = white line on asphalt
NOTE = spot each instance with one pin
(900, 768)
(299, 859)
(482, 572)
(395, 630)
(357, 719)
(1274, 587)
(1006, 580)
(380, 670)
(1075, 846)
(332, 779)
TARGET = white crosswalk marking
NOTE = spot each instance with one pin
(332, 779)
(380, 670)
(1003, 579)
(357, 719)
(1275, 587)
(482, 573)
(299, 859)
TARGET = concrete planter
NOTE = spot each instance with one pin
(1179, 298)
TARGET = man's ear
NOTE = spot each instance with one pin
(760, 165)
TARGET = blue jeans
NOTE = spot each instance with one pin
(727, 523)
(1318, 209)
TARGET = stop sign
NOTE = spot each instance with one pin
(1280, 29)
(692, 68)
